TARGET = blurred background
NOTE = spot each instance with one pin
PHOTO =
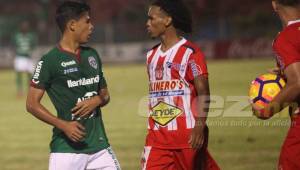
(224, 29)
(235, 36)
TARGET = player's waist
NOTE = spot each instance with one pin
(168, 139)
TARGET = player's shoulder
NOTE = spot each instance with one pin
(88, 49)
(290, 32)
(53, 52)
(192, 46)
(155, 47)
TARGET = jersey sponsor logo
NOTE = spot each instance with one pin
(163, 113)
(70, 70)
(175, 66)
(166, 93)
(93, 62)
(196, 70)
(87, 96)
(83, 82)
(68, 63)
(37, 72)
(166, 88)
(159, 72)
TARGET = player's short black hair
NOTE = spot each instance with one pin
(179, 12)
(289, 2)
(70, 10)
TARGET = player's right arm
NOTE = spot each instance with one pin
(73, 130)
(289, 95)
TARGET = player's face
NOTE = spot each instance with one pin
(83, 28)
(157, 22)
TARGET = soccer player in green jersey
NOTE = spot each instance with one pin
(72, 76)
(24, 42)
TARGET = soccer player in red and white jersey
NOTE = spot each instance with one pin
(178, 94)
(287, 49)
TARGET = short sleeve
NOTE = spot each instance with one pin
(196, 66)
(42, 74)
(102, 80)
(287, 51)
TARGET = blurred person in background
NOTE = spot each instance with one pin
(24, 41)
(178, 93)
(72, 76)
(286, 47)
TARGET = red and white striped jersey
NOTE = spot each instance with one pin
(172, 93)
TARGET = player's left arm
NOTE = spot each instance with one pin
(202, 104)
(85, 108)
(289, 94)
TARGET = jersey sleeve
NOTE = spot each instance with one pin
(287, 51)
(102, 80)
(42, 74)
(196, 66)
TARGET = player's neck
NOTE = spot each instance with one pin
(68, 43)
(289, 14)
(168, 40)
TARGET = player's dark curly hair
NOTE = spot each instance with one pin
(289, 2)
(70, 10)
(180, 14)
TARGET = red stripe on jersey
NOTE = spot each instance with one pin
(178, 101)
(177, 60)
(151, 56)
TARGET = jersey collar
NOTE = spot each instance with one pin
(293, 22)
(77, 55)
(178, 44)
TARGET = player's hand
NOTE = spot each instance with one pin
(275, 70)
(74, 131)
(86, 107)
(197, 137)
(261, 113)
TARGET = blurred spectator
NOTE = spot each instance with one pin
(24, 42)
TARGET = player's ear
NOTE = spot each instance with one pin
(168, 21)
(71, 25)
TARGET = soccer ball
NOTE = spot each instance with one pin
(264, 88)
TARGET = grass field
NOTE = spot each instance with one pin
(239, 146)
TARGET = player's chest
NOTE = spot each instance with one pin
(70, 67)
(166, 67)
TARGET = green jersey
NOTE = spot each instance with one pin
(24, 43)
(69, 79)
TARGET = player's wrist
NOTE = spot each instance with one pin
(199, 122)
(60, 124)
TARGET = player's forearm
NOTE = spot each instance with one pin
(40, 112)
(103, 97)
(203, 108)
(286, 97)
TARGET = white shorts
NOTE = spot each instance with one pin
(23, 64)
(102, 160)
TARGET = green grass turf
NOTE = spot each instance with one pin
(233, 142)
